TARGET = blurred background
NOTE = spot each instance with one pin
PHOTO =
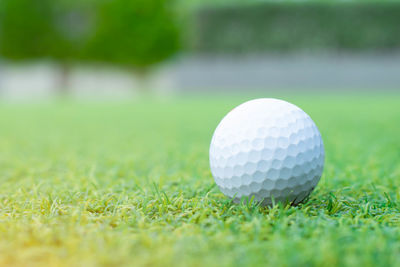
(126, 48)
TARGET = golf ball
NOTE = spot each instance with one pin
(267, 150)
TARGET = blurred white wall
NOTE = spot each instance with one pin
(282, 72)
(33, 81)
(101, 82)
(206, 73)
(41, 80)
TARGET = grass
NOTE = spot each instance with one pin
(92, 184)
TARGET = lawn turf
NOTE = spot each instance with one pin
(91, 184)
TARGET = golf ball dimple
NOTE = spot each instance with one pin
(269, 150)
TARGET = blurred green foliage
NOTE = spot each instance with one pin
(311, 26)
(213, 3)
(135, 33)
(140, 33)
(26, 29)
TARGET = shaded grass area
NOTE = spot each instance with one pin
(129, 183)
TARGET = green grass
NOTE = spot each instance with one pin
(92, 184)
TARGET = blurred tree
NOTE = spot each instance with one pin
(37, 29)
(134, 33)
(72, 23)
(26, 29)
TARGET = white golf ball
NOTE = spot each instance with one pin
(269, 150)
